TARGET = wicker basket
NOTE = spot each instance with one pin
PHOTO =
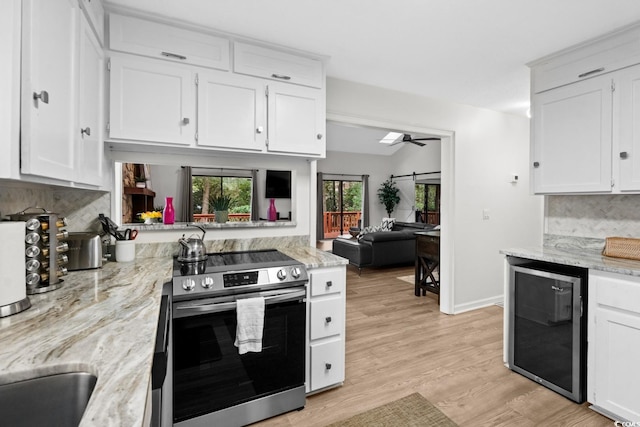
(622, 247)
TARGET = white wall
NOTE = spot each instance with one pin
(487, 147)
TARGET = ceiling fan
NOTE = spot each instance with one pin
(407, 138)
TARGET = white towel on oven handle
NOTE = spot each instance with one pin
(250, 319)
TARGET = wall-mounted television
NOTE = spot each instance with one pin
(278, 185)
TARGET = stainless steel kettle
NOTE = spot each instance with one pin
(192, 249)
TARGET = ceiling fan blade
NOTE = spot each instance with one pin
(414, 141)
(427, 139)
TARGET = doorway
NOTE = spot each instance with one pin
(342, 208)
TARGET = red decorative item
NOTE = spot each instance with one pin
(272, 213)
(168, 214)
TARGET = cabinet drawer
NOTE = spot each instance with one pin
(326, 318)
(327, 364)
(591, 59)
(622, 292)
(275, 65)
(133, 35)
(327, 281)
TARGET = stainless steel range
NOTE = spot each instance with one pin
(212, 383)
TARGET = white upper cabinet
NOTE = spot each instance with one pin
(151, 101)
(49, 81)
(627, 129)
(275, 65)
(296, 120)
(142, 37)
(585, 122)
(270, 102)
(91, 99)
(572, 138)
(231, 111)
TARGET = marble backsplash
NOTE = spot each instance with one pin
(80, 207)
(593, 216)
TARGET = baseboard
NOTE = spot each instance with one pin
(474, 305)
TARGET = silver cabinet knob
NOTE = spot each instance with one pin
(42, 96)
(85, 131)
(259, 129)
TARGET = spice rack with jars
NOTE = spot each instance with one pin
(45, 249)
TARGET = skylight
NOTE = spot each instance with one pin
(390, 138)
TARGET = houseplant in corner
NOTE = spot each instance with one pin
(388, 196)
(220, 205)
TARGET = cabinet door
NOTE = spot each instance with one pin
(628, 128)
(326, 318)
(151, 101)
(89, 132)
(296, 120)
(231, 111)
(617, 372)
(572, 133)
(49, 72)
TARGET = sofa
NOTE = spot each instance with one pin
(382, 248)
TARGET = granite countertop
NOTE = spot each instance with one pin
(102, 321)
(588, 257)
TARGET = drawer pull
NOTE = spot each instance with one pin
(174, 55)
(85, 131)
(329, 284)
(327, 319)
(588, 73)
(624, 155)
(281, 76)
(536, 164)
(185, 121)
(327, 366)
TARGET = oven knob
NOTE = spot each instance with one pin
(188, 284)
(282, 274)
(207, 282)
(295, 272)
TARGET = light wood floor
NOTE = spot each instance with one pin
(397, 344)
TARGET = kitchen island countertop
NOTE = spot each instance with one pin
(102, 321)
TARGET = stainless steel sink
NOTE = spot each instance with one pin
(58, 400)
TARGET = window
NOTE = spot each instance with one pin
(428, 203)
(207, 185)
(342, 206)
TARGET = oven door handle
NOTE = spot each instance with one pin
(183, 310)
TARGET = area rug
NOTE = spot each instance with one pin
(410, 411)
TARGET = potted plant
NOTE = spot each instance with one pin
(141, 181)
(388, 196)
(220, 206)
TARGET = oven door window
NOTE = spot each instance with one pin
(210, 375)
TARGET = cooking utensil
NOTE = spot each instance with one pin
(193, 249)
(130, 234)
(110, 227)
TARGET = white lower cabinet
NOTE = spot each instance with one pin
(613, 371)
(326, 306)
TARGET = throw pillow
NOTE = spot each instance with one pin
(387, 224)
(366, 230)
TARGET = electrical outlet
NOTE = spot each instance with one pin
(485, 214)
